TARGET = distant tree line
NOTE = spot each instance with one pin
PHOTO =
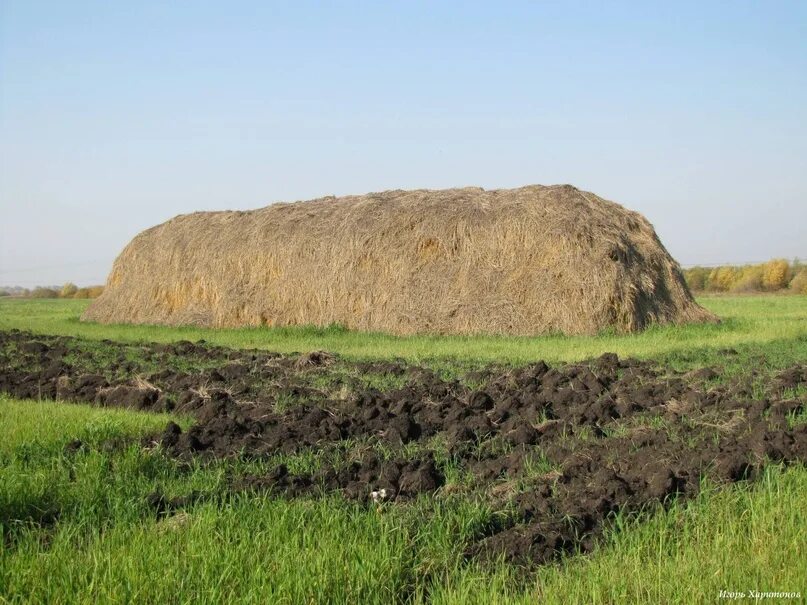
(69, 290)
(776, 275)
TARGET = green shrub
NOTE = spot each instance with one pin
(696, 278)
(44, 293)
(68, 290)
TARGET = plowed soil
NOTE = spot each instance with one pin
(559, 448)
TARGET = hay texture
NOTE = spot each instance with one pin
(522, 261)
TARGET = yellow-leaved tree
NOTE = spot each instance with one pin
(775, 274)
(722, 278)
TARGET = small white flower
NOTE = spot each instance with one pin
(378, 495)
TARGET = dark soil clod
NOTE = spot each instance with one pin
(565, 447)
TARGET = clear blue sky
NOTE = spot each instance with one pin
(115, 116)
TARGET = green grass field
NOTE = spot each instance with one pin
(77, 528)
(770, 322)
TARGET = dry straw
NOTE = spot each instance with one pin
(524, 261)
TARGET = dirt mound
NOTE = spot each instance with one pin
(522, 261)
(562, 448)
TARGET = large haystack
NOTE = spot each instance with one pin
(458, 261)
